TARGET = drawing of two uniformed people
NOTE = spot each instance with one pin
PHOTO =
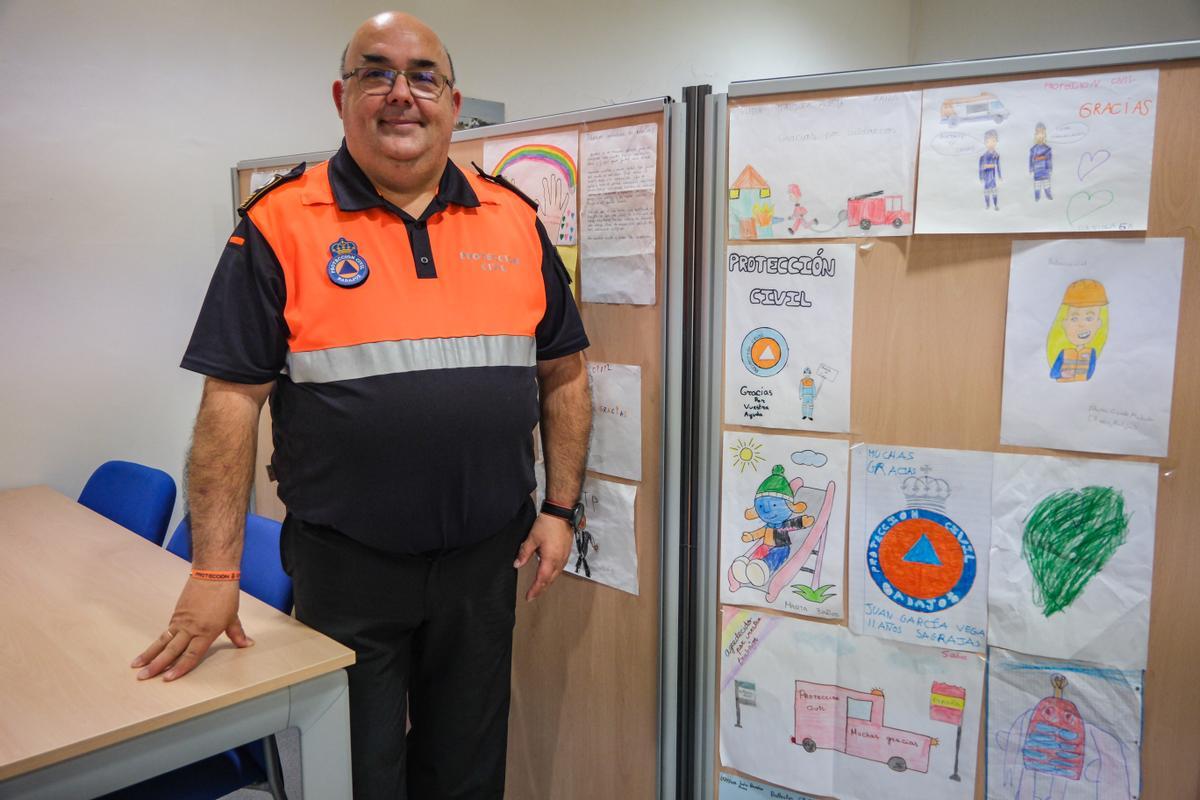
(1079, 332)
(1041, 165)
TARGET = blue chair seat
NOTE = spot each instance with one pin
(137, 497)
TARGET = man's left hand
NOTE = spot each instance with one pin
(550, 537)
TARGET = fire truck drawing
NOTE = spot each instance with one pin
(984, 105)
(877, 208)
(849, 721)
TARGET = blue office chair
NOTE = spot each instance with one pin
(136, 497)
(255, 762)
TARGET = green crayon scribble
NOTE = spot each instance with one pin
(1069, 537)
(812, 594)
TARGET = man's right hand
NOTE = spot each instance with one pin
(204, 611)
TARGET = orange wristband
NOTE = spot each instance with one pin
(216, 575)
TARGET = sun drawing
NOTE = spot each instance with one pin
(745, 454)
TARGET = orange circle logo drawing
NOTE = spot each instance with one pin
(921, 560)
(764, 352)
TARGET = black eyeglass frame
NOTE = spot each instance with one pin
(396, 74)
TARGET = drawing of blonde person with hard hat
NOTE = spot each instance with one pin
(1079, 332)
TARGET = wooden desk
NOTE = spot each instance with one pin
(79, 597)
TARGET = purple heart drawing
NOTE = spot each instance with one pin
(1089, 161)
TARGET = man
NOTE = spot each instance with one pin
(989, 170)
(1041, 163)
(406, 321)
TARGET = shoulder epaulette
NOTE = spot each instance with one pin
(279, 180)
(500, 180)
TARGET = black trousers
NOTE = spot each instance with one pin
(431, 631)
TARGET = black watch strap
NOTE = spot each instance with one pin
(573, 515)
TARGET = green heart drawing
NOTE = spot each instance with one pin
(1069, 537)
(1091, 202)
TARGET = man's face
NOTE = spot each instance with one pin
(382, 130)
(1039, 136)
(1081, 325)
(990, 142)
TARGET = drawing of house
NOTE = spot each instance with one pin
(749, 204)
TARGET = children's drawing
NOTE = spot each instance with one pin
(1071, 557)
(775, 298)
(1041, 163)
(782, 528)
(828, 712)
(584, 541)
(545, 169)
(1069, 537)
(989, 170)
(1104, 124)
(604, 550)
(851, 722)
(1089, 355)
(1079, 332)
(615, 446)
(919, 530)
(1069, 742)
(798, 220)
(855, 158)
(981, 107)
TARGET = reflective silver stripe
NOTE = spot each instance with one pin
(386, 358)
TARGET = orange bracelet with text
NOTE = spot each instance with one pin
(216, 575)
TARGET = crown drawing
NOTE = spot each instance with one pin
(344, 247)
(925, 491)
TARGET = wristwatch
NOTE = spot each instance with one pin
(573, 514)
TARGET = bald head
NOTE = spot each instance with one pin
(389, 22)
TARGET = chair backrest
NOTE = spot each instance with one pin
(137, 497)
(262, 570)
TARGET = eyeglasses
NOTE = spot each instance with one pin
(422, 83)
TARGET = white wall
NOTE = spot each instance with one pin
(943, 30)
(119, 121)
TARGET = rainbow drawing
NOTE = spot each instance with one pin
(554, 157)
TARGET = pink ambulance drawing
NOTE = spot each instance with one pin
(849, 721)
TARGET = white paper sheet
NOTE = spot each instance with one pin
(1072, 557)
(813, 707)
(1062, 730)
(259, 179)
(607, 542)
(616, 443)
(1110, 307)
(790, 490)
(1088, 169)
(617, 245)
(544, 167)
(839, 167)
(920, 521)
(789, 315)
(735, 787)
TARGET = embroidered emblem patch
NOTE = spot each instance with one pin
(347, 268)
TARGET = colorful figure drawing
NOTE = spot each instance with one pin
(808, 394)
(1051, 748)
(1079, 332)
(583, 540)
(989, 170)
(789, 541)
(1041, 163)
(849, 721)
(748, 196)
(798, 221)
(1069, 537)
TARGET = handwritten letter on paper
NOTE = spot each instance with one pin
(618, 235)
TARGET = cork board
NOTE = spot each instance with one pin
(917, 380)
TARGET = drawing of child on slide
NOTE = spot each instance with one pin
(1079, 332)
(776, 505)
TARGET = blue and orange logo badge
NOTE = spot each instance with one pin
(347, 268)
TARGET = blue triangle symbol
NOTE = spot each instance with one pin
(923, 553)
